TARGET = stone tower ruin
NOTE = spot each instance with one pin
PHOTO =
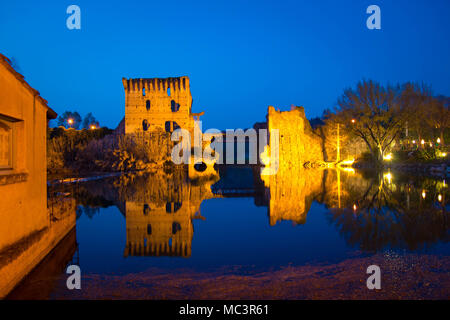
(153, 104)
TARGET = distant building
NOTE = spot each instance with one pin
(29, 228)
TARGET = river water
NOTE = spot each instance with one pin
(303, 234)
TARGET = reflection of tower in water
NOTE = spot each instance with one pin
(160, 223)
(291, 193)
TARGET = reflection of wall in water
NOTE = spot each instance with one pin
(20, 258)
(39, 284)
(160, 224)
(291, 193)
(155, 230)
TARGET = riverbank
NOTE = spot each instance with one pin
(406, 276)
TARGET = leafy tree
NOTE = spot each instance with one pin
(70, 119)
(89, 120)
(373, 113)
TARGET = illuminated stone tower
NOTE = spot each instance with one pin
(154, 104)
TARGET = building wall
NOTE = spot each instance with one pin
(155, 90)
(23, 189)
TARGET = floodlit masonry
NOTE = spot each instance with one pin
(158, 104)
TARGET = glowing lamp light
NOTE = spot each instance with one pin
(70, 121)
(424, 194)
(422, 142)
(350, 170)
(354, 207)
(388, 177)
(440, 198)
(442, 154)
(387, 157)
(353, 120)
(93, 127)
(438, 140)
(414, 141)
(347, 162)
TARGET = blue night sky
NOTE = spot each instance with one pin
(241, 56)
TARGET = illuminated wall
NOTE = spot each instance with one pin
(157, 104)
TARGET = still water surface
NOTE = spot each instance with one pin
(164, 221)
(221, 226)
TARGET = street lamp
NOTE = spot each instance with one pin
(353, 121)
(93, 127)
(438, 140)
(70, 122)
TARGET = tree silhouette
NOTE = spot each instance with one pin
(373, 113)
(70, 119)
(89, 120)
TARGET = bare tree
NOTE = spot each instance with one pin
(416, 100)
(372, 112)
(439, 115)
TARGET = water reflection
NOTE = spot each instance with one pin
(393, 211)
(20, 258)
(371, 212)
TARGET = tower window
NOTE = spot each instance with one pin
(168, 91)
(176, 227)
(143, 91)
(146, 209)
(145, 125)
(174, 106)
(167, 126)
(147, 105)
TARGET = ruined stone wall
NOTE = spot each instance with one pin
(153, 103)
(297, 143)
